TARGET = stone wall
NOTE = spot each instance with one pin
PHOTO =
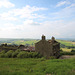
(47, 48)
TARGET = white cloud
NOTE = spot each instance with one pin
(31, 22)
(9, 18)
(65, 13)
(58, 28)
(61, 3)
(26, 12)
(6, 4)
(30, 27)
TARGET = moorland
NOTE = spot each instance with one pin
(25, 63)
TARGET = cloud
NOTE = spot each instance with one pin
(29, 29)
(65, 13)
(31, 22)
(26, 12)
(8, 18)
(6, 4)
(61, 3)
(26, 22)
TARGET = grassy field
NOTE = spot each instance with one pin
(66, 50)
(67, 43)
(30, 42)
(41, 66)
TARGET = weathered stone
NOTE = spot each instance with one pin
(48, 48)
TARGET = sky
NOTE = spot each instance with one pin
(34, 18)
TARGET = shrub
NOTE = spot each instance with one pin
(18, 50)
(22, 54)
(9, 54)
(39, 55)
(43, 58)
(52, 57)
(73, 51)
(30, 54)
(2, 52)
(34, 55)
(67, 53)
(61, 50)
(2, 55)
(14, 54)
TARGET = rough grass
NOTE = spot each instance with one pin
(66, 50)
(66, 43)
(30, 42)
(30, 66)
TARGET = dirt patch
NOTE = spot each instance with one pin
(67, 56)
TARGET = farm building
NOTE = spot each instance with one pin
(27, 48)
(48, 48)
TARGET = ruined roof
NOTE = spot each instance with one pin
(50, 41)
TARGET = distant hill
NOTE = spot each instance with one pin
(17, 41)
(69, 39)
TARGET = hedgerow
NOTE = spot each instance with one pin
(9, 54)
(67, 53)
(14, 54)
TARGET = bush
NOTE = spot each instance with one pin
(22, 54)
(14, 54)
(43, 58)
(73, 51)
(34, 55)
(52, 57)
(39, 55)
(2, 55)
(61, 50)
(2, 52)
(9, 54)
(67, 53)
(18, 50)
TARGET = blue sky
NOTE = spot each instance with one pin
(33, 18)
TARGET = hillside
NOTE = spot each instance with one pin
(64, 45)
(29, 66)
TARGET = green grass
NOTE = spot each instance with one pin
(67, 43)
(30, 66)
(30, 42)
(66, 50)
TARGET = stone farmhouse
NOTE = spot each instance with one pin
(48, 48)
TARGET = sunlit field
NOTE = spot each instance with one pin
(40, 66)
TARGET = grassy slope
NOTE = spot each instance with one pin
(25, 42)
(29, 66)
(66, 50)
(32, 43)
(67, 43)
